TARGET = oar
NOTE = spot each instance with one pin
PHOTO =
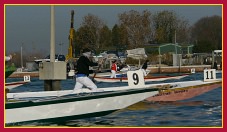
(122, 75)
(93, 78)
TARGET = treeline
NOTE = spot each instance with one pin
(135, 29)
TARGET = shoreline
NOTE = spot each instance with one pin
(154, 69)
(178, 69)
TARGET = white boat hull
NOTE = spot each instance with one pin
(38, 110)
(174, 85)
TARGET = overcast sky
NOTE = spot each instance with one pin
(30, 25)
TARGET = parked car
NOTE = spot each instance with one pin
(58, 57)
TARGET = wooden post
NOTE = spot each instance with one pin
(159, 67)
(6, 91)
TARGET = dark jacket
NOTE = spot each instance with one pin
(215, 65)
(144, 65)
(83, 65)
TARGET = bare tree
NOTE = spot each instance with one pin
(182, 31)
(93, 24)
(169, 28)
(105, 38)
(138, 27)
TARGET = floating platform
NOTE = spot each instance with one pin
(22, 74)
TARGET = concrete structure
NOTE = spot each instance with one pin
(52, 72)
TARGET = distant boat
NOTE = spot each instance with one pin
(12, 85)
(123, 78)
(58, 57)
(9, 69)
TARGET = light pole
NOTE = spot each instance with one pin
(175, 42)
(22, 56)
(180, 55)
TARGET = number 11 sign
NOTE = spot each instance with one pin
(209, 74)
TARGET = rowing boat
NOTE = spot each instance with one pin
(74, 105)
(123, 78)
(167, 91)
(185, 90)
(60, 105)
(12, 85)
(172, 91)
(71, 106)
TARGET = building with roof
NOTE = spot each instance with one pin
(161, 49)
(178, 51)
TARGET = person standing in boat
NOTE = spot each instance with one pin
(82, 74)
(144, 67)
(215, 65)
(113, 69)
(221, 65)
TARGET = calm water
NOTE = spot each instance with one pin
(204, 110)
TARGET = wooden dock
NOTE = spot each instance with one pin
(22, 74)
(177, 69)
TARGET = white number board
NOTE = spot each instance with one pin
(135, 78)
(27, 78)
(193, 70)
(209, 74)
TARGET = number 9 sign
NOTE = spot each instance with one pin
(135, 78)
